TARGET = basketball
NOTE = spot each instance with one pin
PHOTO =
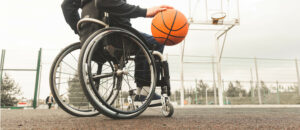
(169, 27)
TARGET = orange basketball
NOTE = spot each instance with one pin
(169, 27)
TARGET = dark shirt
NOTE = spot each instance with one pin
(119, 11)
(70, 11)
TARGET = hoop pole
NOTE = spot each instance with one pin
(225, 31)
(238, 10)
(222, 47)
(206, 10)
(218, 62)
(181, 75)
(190, 11)
(257, 81)
(298, 76)
(222, 5)
(34, 104)
(2, 66)
(220, 90)
(214, 79)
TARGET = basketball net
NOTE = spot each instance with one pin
(217, 18)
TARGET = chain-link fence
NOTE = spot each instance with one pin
(244, 79)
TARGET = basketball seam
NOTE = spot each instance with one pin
(171, 27)
(162, 17)
(181, 27)
(167, 33)
(166, 39)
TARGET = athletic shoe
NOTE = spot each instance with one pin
(142, 94)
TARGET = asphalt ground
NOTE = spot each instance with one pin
(183, 118)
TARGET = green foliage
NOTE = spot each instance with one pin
(235, 91)
(264, 90)
(201, 88)
(9, 91)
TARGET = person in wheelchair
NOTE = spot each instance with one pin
(120, 13)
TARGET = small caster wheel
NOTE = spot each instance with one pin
(168, 110)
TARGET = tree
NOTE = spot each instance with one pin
(235, 91)
(242, 92)
(231, 92)
(263, 89)
(201, 88)
(9, 91)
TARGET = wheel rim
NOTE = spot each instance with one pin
(66, 84)
(113, 107)
(166, 110)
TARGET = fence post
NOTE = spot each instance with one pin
(2, 65)
(258, 83)
(278, 98)
(34, 104)
(298, 76)
(251, 84)
(196, 93)
(206, 100)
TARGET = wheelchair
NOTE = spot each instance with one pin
(102, 75)
(119, 73)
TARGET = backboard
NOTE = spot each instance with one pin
(201, 11)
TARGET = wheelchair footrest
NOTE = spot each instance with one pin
(155, 105)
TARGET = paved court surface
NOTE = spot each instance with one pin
(184, 118)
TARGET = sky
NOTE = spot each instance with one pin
(268, 29)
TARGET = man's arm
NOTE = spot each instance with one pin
(70, 11)
(121, 8)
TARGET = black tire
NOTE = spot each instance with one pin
(168, 110)
(60, 98)
(90, 48)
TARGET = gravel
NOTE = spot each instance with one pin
(183, 118)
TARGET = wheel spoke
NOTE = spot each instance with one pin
(127, 81)
(104, 75)
(107, 91)
(74, 57)
(68, 65)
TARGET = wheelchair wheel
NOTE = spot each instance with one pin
(131, 82)
(167, 110)
(65, 85)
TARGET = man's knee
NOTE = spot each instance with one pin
(153, 43)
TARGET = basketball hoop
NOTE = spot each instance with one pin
(218, 17)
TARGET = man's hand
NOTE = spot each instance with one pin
(151, 12)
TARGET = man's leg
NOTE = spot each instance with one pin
(150, 40)
(141, 64)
